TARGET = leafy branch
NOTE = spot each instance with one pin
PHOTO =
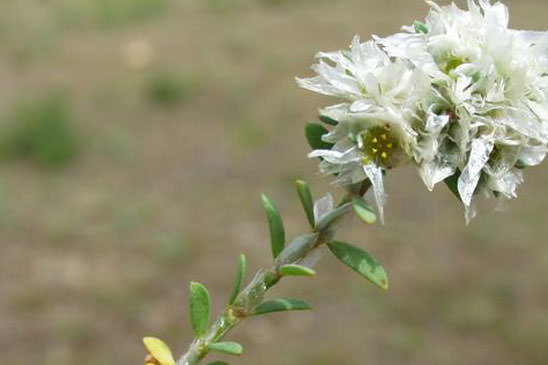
(288, 260)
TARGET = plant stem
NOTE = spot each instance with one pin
(253, 294)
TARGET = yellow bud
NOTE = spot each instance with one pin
(149, 360)
(158, 351)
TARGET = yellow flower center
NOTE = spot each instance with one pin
(379, 146)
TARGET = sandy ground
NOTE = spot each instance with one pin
(99, 253)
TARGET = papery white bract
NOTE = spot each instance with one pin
(459, 94)
(323, 206)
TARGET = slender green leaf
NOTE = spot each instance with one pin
(452, 183)
(231, 348)
(520, 165)
(306, 200)
(199, 308)
(314, 133)
(277, 232)
(327, 120)
(217, 363)
(280, 305)
(296, 270)
(305, 242)
(420, 27)
(239, 279)
(363, 210)
(361, 262)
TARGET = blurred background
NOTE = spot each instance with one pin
(135, 139)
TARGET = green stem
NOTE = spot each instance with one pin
(253, 294)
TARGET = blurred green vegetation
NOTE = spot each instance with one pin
(107, 13)
(40, 131)
(220, 5)
(168, 88)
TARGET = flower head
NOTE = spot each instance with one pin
(374, 122)
(460, 94)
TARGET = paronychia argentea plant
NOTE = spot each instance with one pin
(460, 96)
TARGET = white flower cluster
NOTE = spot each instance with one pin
(461, 96)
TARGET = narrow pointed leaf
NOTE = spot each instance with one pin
(276, 226)
(240, 274)
(452, 183)
(296, 270)
(420, 27)
(314, 133)
(199, 308)
(361, 262)
(306, 200)
(231, 348)
(217, 363)
(280, 305)
(363, 210)
(305, 242)
(327, 120)
(520, 165)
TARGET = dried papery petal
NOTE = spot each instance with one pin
(374, 173)
(436, 171)
(532, 156)
(323, 206)
(469, 178)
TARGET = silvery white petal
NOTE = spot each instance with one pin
(349, 174)
(469, 178)
(496, 93)
(323, 206)
(496, 14)
(360, 106)
(506, 183)
(525, 126)
(343, 83)
(434, 172)
(532, 156)
(358, 175)
(470, 213)
(374, 174)
(335, 157)
(318, 85)
(530, 37)
(435, 123)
